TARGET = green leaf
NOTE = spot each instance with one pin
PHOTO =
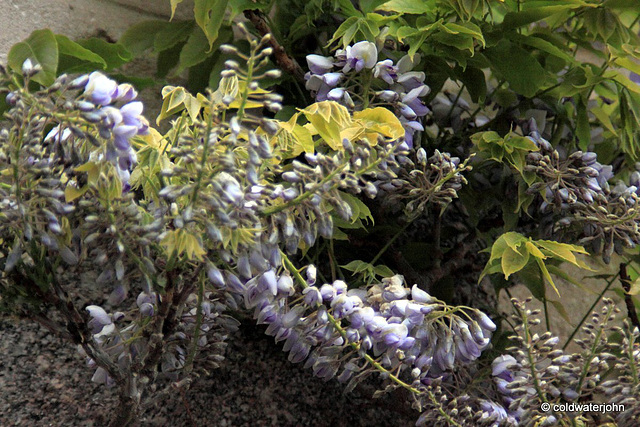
(114, 54)
(583, 130)
(513, 240)
(474, 80)
(141, 36)
(346, 30)
(621, 4)
(41, 47)
(357, 266)
(543, 45)
(367, 6)
(383, 271)
(467, 28)
(514, 261)
(209, 15)
(415, 7)
(73, 58)
(347, 7)
(525, 17)
(71, 48)
(238, 6)
(358, 208)
(168, 59)
(194, 51)
(606, 23)
(604, 119)
(532, 279)
(172, 34)
(523, 72)
(520, 143)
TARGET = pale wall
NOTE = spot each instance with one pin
(77, 18)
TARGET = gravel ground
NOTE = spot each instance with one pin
(44, 382)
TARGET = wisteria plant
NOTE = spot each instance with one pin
(145, 246)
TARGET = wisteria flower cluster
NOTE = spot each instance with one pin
(577, 187)
(538, 372)
(221, 218)
(535, 377)
(351, 70)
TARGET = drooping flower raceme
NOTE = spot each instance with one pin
(112, 107)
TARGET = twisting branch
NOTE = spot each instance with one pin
(288, 64)
(628, 299)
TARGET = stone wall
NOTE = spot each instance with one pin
(78, 18)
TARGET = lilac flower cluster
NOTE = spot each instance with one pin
(119, 118)
(577, 187)
(117, 124)
(404, 329)
(537, 372)
(405, 87)
(589, 183)
(423, 180)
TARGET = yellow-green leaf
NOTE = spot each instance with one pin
(513, 261)
(209, 15)
(71, 192)
(329, 118)
(546, 275)
(292, 138)
(513, 240)
(563, 252)
(533, 250)
(635, 287)
(174, 5)
(380, 121)
(93, 170)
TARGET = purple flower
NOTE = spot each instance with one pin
(411, 80)
(216, 277)
(336, 94)
(411, 100)
(419, 295)
(393, 334)
(111, 116)
(285, 285)
(361, 316)
(101, 89)
(319, 64)
(312, 296)
(122, 134)
(328, 292)
(410, 128)
(501, 364)
(131, 113)
(386, 71)
(99, 318)
(268, 281)
(126, 93)
(361, 55)
(388, 95)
